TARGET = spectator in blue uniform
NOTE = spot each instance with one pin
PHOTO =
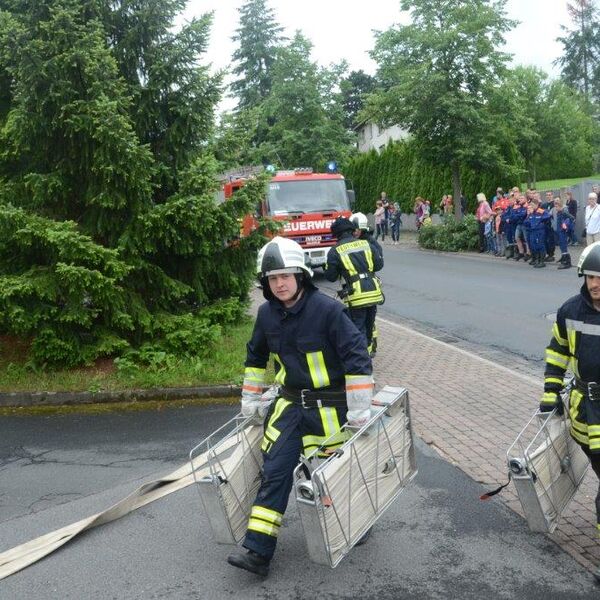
(324, 370)
(535, 223)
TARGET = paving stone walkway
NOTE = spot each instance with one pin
(471, 410)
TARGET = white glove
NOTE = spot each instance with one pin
(359, 393)
(358, 418)
(257, 405)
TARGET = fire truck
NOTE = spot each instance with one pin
(307, 203)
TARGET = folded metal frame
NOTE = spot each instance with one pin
(342, 496)
(547, 467)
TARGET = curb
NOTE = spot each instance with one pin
(21, 399)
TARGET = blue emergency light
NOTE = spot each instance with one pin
(332, 166)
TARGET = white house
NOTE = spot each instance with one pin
(371, 137)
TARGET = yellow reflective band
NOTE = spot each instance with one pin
(579, 437)
(254, 373)
(280, 374)
(549, 398)
(594, 430)
(266, 514)
(597, 525)
(553, 380)
(556, 333)
(572, 337)
(317, 369)
(355, 246)
(271, 432)
(594, 444)
(330, 421)
(262, 527)
(579, 426)
(348, 264)
(556, 359)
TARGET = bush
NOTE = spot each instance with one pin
(451, 236)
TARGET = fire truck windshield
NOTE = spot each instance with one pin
(307, 196)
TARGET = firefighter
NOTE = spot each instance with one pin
(325, 377)
(356, 261)
(575, 344)
(363, 232)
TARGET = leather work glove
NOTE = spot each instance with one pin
(257, 405)
(550, 401)
(358, 418)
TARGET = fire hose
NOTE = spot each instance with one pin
(19, 557)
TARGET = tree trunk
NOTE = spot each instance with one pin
(456, 190)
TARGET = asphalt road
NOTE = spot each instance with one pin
(493, 302)
(437, 541)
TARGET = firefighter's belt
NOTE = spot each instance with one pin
(315, 398)
(360, 276)
(591, 389)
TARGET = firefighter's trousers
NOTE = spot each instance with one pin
(364, 319)
(289, 430)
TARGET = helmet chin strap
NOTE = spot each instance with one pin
(300, 282)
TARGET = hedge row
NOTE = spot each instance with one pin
(399, 172)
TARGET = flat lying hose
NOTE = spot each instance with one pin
(22, 556)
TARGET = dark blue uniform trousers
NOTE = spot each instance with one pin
(364, 319)
(296, 429)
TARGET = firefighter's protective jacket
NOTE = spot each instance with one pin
(575, 344)
(356, 261)
(314, 344)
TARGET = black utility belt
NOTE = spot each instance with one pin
(314, 398)
(591, 389)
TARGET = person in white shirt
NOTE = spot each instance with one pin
(592, 219)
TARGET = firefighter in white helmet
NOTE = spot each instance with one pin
(575, 345)
(325, 377)
(356, 261)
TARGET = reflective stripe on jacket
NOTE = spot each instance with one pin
(314, 343)
(356, 261)
(575, 345)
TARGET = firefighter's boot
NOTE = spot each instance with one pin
(540, 261)
(565, 261)
(250, 561)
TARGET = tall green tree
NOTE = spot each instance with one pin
(109, 229)
(173, 94)
(580, 62)
(354, 90)
(437, 75)
(258, 38)
(303, 112)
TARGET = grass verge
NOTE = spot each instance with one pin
(557, 184)
(223, 365)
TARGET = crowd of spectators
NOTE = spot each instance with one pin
(522, 226)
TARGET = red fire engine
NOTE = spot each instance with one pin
(306, 202)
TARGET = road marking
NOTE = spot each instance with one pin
(527, 378)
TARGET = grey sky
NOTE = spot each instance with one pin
(344, 30)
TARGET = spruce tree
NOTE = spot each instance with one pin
(259, 37)
(109, 227)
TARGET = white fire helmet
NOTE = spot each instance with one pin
(589, 261)
(360, 220)
(281, 255)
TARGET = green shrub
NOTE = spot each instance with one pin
(451, 236)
